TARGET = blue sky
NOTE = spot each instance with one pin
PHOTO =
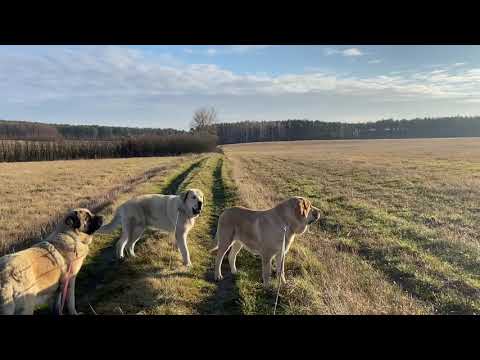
(161, 86)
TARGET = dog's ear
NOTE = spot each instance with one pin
(73, 220)
(185, 195)
(303, 207)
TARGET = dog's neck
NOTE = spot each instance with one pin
(285, 221)
(71, 240)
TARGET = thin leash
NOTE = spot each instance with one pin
(282, 261)
(66, 281)
(91, 308)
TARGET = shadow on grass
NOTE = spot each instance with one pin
(457, 255)
(456, 294)
(225, 299)
(402, 264)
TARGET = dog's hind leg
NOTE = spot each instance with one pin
(7, 305)
(232, 256)
(224, 243)
(119, 247)
(135, 235)
(127, 228)
(27, 306)
(7, 309)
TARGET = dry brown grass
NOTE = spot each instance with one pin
(34, 193)
(400, 232)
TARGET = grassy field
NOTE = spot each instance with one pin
(398, 235)
(34, 194)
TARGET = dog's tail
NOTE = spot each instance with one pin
(112, 225)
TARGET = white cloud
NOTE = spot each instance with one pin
(352, 52)
(211, 51)
(117, 72)
(375, 61)
(330, 51)
(347, 52)
(245, 48)
(471, 101)
(227, 49)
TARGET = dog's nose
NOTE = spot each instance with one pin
(316, 214)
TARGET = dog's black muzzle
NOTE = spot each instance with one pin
(198, 210)
(95, 224)
(316, 217)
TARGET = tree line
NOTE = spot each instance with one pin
(23, 130)
(27, 141)
(288, 130)
(204, 122)
(141, 146)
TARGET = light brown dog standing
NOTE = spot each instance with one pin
(262, 232)
(34, 276)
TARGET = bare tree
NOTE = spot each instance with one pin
(204, 119)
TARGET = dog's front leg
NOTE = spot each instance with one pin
(71, 297)
(181, 238)
(280, 270)
(57, 307)
(266, 269)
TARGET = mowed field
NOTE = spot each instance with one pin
(398, 233)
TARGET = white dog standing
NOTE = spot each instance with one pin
(161, 212)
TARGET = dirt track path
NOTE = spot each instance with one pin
(156, 282)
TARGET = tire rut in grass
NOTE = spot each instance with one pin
(225, 299)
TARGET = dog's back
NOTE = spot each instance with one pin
(27, 278)
(236, 220)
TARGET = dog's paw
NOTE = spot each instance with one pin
(218, 278)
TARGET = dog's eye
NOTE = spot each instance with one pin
(193, 197)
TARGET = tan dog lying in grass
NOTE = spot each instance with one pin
(46, 272)
(262, 232)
